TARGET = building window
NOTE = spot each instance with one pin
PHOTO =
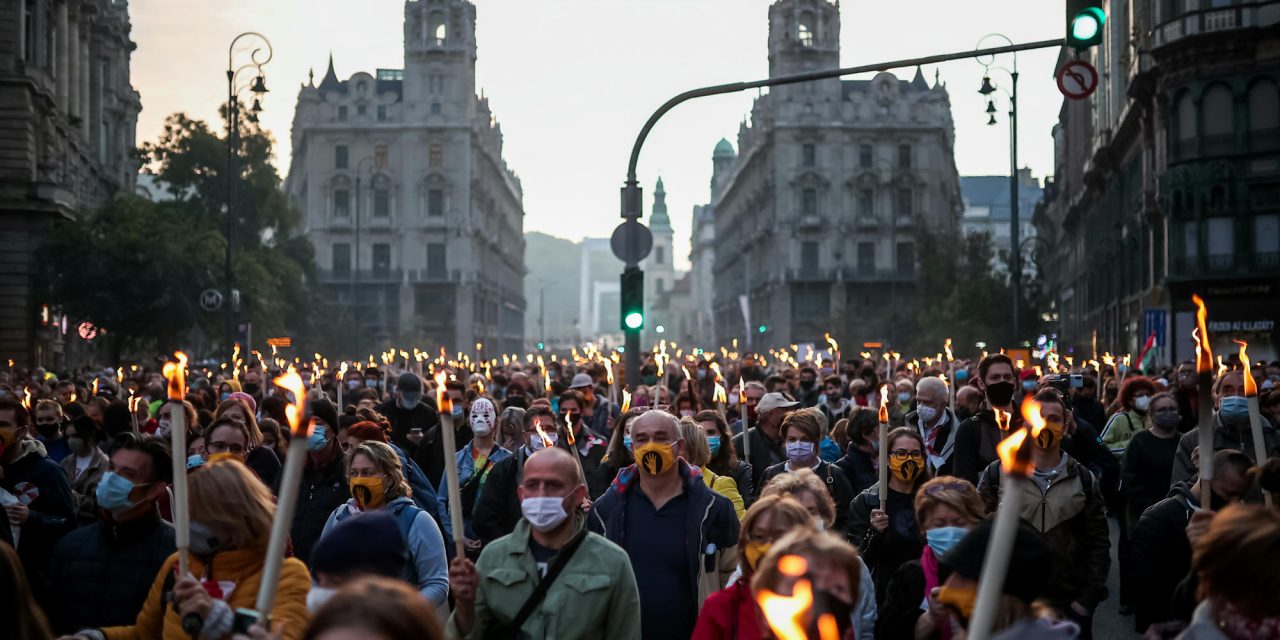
(435, 156)
(809, 155)
(380, 156)
(340, 157)
(435, 108)
(659, 285)
(381, 201)
(864, 156)
(902, 204)
(360, 110)
(342, 113)
(1266, 237)
(1191, 240)
(341, 203)
(436, 28)
(906, 259)
(1219, 123)
(809, 202)
(382, 113)
(435, 202)
(809, 257)
(658, 255)
(30, 33)
(805, 30)
(904, 156)
(866, 204)
(866, 258)
(381, 259)
(341, 259)
(436, 266)
(1222, 242)
(1264, 116)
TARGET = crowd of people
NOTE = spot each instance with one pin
(727, 497)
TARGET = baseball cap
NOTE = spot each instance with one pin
(775, 400)
(581, 380)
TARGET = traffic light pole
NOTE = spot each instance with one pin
(632, 200)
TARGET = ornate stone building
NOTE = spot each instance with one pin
(67, 118)
(417, 222)
(815, 219)
(1168, 183)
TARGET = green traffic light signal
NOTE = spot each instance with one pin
(541, 346)
(632, 298)
(1085, 19)
(634, 320)
(762, 328)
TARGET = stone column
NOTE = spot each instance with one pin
(60, 73)
(70, 65)
(84, 78)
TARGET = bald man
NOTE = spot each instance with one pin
(550, 544)
(935, 422)
(681, 537)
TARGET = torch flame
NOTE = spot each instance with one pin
(295, 412)
(176, 374)
(1008, 452)
(835, 346)
(95, 386)
(608, 372)
(1031, 414)
(947, 347)
(742, 392)
(443, 401)
(1002, 419)
(26, 398)
(543, 434)
(884, 403)
(626, 400)
(1250, 387)
(1222, 368)
(568, 431)
(719, 394)
(785, 614)
(1204, 353)
(687, 376)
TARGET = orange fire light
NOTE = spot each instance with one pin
(884, 403)
(1250, 387)
(786, 614)
(1204, 353)
(176, 374)
(1002, 419)
(443, 401)
(295, 412)
(719, 395)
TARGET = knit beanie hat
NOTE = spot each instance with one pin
(324, 410)
(364, 543)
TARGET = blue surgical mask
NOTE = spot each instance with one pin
(194, 460)
(904, 397)
(943, 538)
(626, 442)
(316, 441)
(1234, 411)
(1029, 385)
(457, 412)
(225, 395)
(962, 375)
(113, 493)
(714, 443)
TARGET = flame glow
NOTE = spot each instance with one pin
(1250, 387)
(785, 614)
(443, 402)
(95, 386)
(835, 346)
(1002, 419)
(295, 412)
(176, 374)
(1204, 353)
(26, 398)
(626, 400)
(946, 346)
(719, 394)
(884, 403)
(543, 434)
(1008, 449)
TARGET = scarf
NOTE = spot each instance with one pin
(929, 565)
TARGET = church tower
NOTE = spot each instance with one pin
(440, 61)
(660, 273)
(804, 35)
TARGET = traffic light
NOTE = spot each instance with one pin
(764, 328)
(541, 346)
(1085, 19)
(632, 299)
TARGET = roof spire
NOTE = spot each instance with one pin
(659, 220)
(330, 80)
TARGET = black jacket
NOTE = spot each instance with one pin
(885, 551)
(52, 512)
(1160, 555)
(1145, 470)
(764, 454)
(902, 598)
(1224, 437)
(837, 485)
(101, 573)
(423, 417)
(976, 440)
(497, 508)
(322, 490)
(859, 469)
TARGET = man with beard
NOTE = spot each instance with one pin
(834, 405)
(977, 437)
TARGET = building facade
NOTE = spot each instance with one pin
(986, 210)
(69, 116)
(1168, 183)
(816, 219)
(416, 220)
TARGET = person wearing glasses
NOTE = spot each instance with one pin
(946, 509)
(1063, 502)
(887, 535)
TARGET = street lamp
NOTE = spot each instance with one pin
(259, 56)
(987, 88)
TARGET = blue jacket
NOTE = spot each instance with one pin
(466, 466)
(711, 537)
(426, 549)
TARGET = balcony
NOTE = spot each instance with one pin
(1216, 20)
(364, 276)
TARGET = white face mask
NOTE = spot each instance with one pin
(926, 412)
(483, 416)
(544, 513)
(537, 444)
(318, 596)
(164, 426)
(1141, 403)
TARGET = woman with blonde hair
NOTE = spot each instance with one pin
(809, 490)
(231, 513)
(732, 613)
(699, 454)
(377, 483)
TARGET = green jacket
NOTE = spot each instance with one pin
(595, 595)
(1120, 430)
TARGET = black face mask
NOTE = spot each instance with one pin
(1000, 393)
(963, 414)
(48, 431)
(250, 388)
(519, 402)
(807, 384)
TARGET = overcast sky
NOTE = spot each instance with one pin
(572, 81)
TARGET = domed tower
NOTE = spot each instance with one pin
(722, 160)
(660, 272)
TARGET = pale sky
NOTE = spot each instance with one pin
(572, 81)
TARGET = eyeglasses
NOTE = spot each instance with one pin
(219, 447)
(903, 454)
(948, 486)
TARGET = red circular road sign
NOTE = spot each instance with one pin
(1077, 79)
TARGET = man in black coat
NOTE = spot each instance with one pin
(101, 573)
(415, 427)
(977, 437)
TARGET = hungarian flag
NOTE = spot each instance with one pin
(1147, 361)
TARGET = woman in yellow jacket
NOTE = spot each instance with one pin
(699, 454)
(231, 512)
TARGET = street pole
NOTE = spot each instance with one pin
(1015, 256)
(232, 126)
(631, 195)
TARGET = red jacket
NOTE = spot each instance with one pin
(730, 614)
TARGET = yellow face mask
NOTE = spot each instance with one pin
(906, 468)
(655, 457)
(223, 455)
(755, 551)
(962, 600)
(368, 493)
(1050, 436)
